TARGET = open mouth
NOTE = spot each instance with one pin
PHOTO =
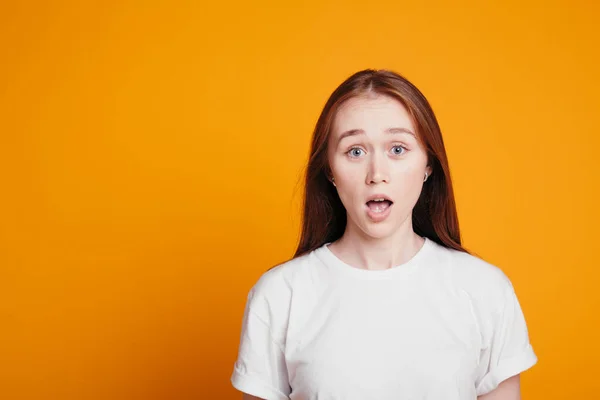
(379, 205)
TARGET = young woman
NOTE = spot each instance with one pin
(381, 301)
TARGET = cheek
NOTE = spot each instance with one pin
(349, 187)
(407, 174)
(347, 174)
(407, 186)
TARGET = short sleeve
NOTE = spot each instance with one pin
(260, 368)
(508, 351)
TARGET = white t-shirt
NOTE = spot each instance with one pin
(444, 325)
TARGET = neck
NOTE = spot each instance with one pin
(366, 252)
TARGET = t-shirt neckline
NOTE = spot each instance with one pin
(329, 258)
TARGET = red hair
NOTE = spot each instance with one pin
(324, 216)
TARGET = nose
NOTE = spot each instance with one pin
(378, 170)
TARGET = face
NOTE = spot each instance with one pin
(374, 154)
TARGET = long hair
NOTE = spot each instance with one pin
(324, 216)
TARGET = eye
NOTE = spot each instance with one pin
(398, 150)
(355, 152)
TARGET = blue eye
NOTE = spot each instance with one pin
(355, 152)
(400, 151)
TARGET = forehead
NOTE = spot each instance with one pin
(372, 114)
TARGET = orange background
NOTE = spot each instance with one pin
(151, 152)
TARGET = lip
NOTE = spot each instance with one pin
(375, 216)
(379, 196)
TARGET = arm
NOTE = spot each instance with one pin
(260, 370)
(510, 389)
(250, 397)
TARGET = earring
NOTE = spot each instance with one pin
(333, 181)
(425, 177)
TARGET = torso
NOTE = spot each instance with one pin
(416, 331)
(354, 338)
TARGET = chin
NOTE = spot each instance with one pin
(378, 231)
(379, 236)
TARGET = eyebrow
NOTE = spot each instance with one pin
(354, 132)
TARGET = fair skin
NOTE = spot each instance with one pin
(374, 149)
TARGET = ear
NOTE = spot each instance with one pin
(329, 174)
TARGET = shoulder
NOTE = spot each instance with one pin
(272, 292)
(281, 277)
(478, 278)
